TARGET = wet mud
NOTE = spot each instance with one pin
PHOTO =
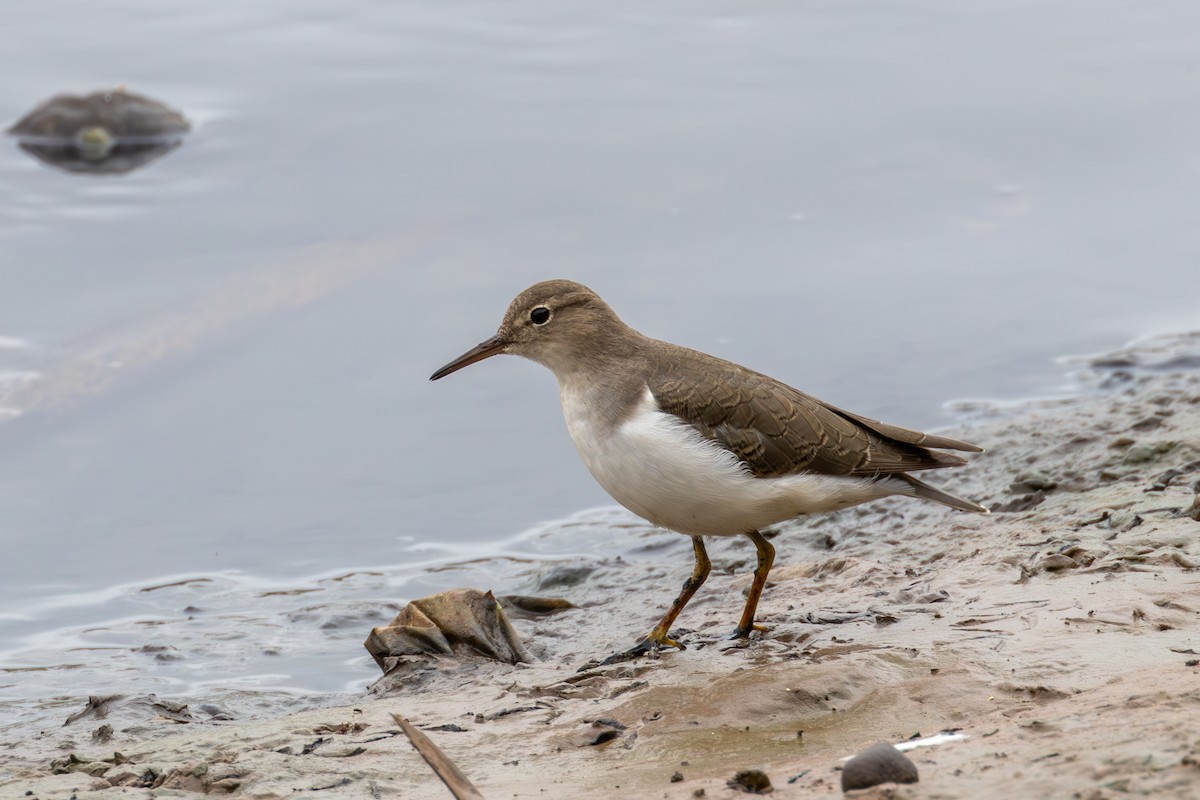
(1058, 637)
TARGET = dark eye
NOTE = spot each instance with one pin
(540, 315)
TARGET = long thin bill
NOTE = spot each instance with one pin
(479, 352)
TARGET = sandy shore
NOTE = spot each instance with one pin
(1060, 635)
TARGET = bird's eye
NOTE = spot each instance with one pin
(540, 315)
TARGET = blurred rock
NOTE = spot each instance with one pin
(107, 132)
(1029, 482)
(879, 763)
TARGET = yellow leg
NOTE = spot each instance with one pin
(766, 557)
(659, 637)
(698, 576)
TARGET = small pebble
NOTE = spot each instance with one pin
(1032, 482)
(1147, 451)
(879, 763)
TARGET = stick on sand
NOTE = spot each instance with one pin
(451, 775)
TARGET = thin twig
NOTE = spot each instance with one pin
(458, 784)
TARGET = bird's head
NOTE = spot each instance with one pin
(559, 324)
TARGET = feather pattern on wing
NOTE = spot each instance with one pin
(776, 430)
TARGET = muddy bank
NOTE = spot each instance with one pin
(1060, 635)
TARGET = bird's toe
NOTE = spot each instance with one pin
(744, 633)
(650, 644)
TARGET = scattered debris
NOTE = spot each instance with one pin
(943, 737)
(341, 727)
(751, 781)
(458, 783)
(457, 622)
(97, 706)
(600, 731)
(535, 606)
(1194, 511)
(148, 706)
(565, 576)
(1020, 503)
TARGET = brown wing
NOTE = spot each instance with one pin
(776, 430)
(904, 435)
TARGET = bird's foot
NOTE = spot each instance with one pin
(744, 633)
(651, 644)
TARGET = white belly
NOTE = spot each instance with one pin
(663, 470)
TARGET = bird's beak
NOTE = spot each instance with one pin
(479, 352)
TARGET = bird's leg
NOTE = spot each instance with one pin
(766, 557)
(659, 638)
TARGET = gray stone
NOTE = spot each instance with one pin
(879, 763)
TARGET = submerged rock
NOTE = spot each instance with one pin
(105, 132)
(879, 763)
(457, 622)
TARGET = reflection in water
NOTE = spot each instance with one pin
(299, 280)
(115, 160)
(109, 132)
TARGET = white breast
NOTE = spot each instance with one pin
(663, 469)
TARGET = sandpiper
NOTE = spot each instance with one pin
(703, 446)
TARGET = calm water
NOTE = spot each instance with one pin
(216, 366)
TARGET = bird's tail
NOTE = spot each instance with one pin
(926, 492)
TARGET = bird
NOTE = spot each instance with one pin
(703, 446)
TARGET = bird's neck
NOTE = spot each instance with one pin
(604, 383)
(604, 352)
